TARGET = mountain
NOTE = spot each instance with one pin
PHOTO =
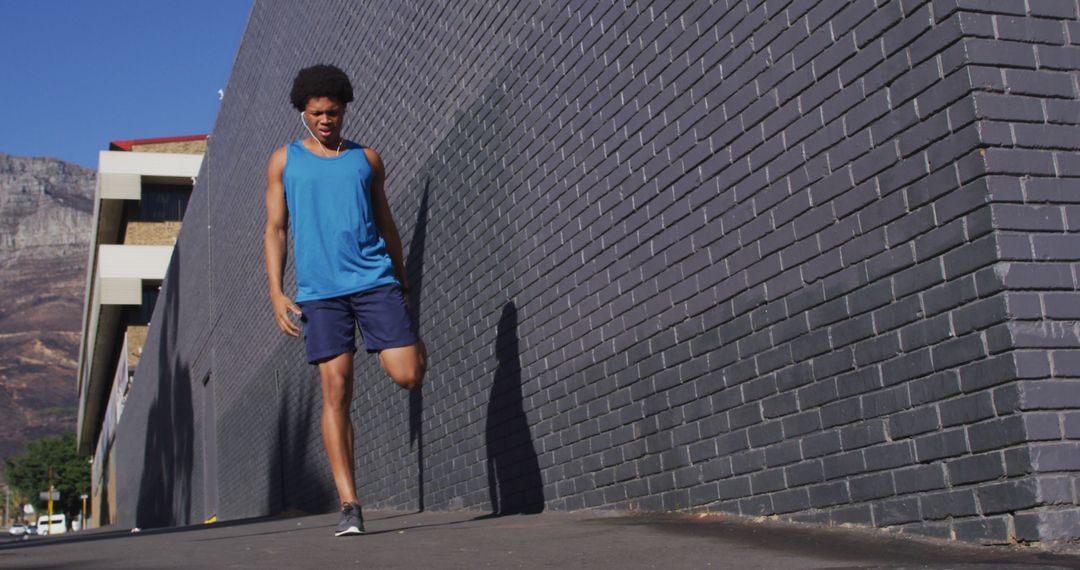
(46, 211)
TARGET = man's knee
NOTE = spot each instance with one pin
(336, 391)
(405, 365)
(409, 377)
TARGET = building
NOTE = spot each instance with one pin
(143, 188)
(813, 260)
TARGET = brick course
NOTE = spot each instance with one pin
(803, 259)
(184, 147)
(151, 233)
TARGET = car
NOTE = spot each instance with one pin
(17, 529)
(56, 525)
(31, 529)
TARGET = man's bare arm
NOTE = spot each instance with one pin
(277, 220)
(384, 219)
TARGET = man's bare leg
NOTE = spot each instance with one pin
(405, 365)
(337, 382)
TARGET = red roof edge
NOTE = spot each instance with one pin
(127, 144)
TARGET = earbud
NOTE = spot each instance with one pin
(303, 122)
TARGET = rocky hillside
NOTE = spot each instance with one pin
(46, 208)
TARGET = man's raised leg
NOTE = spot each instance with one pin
(405, 365)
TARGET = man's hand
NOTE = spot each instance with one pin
(282, 307)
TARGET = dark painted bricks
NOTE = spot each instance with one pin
(811, 260)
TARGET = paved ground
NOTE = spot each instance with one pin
(549, 540)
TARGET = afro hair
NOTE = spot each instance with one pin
(320, 81)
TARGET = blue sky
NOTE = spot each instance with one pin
(76, 74)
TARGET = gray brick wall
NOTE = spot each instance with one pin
(806, 259)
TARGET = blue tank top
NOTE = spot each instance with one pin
(336, 245)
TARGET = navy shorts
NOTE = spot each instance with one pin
(330, 324)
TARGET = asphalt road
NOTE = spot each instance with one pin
(549, 540)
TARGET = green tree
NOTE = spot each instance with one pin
(29, 473)
(18, 499)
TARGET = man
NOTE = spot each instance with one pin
(348, 264)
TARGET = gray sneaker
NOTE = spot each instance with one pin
(352, 520)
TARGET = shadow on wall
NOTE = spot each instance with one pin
(297, 484)
(165, 487)
(105, 516)
(414, 268)
(467, 219)
(513, 470)
(475, 225)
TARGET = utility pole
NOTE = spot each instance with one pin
(50, 498)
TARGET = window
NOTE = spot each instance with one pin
(160, 203)
(141, 315)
